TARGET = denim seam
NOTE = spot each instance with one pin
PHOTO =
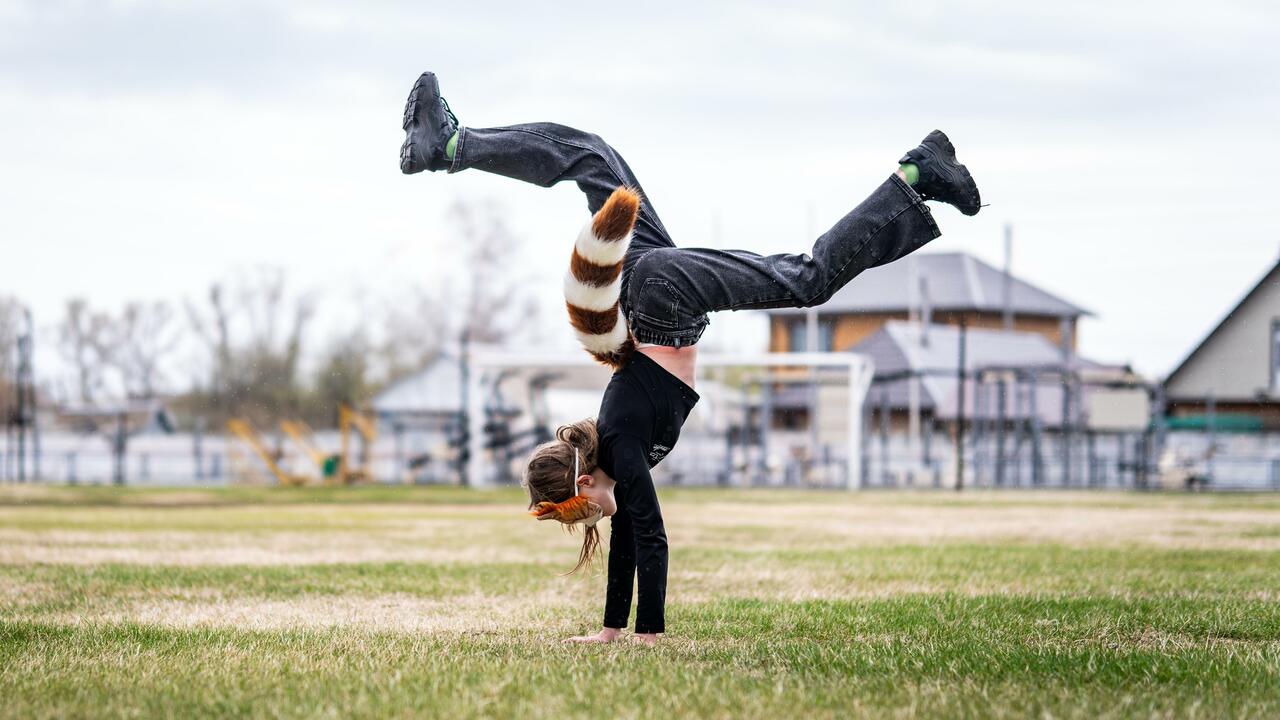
(768, 298)
(674, 324)
(617, 176)
(628, 270)
(682, 338)
(457, 151)
(838, 273)
(918, 201)
(865, 242)
(675, 337)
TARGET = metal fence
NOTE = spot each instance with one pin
(737, 456)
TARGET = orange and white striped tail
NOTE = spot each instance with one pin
(593, 285)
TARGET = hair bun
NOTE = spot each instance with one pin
(583, 436)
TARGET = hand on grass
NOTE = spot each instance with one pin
(606, 635)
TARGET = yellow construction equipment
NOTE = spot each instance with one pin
(301, 433)
(245, 431)
(367, 426)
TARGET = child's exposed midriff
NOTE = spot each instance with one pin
(681, 361)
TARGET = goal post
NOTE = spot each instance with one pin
(484, 364)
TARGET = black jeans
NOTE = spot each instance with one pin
(668, 291)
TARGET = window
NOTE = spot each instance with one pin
(800, 335)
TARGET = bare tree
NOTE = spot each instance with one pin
(11, 320)
(489, 302)
(414, 333)
(342, 377)
(141, 338)
(496, 302)
(254, 334)
(84, 342)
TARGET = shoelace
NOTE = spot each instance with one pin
(447, 111)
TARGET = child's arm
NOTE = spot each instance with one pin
(622, 565)
(637, 546)
(622, 571)
(631, 471)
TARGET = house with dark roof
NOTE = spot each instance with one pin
(902, 351)
(1236, 367)
(954, 287)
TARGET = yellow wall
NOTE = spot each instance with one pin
(853, 329)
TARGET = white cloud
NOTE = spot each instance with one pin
(150, 147)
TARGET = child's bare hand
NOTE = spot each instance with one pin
(606, 635)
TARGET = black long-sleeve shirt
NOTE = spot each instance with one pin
(640, 418)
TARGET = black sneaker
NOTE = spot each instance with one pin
(428, 125)
(942, 177)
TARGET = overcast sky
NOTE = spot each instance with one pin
(148, 148)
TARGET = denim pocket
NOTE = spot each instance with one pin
(658, 303)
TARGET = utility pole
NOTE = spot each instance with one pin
(1068, 419)
(961, 376)
(811, 346)
(1008, 277)
(913, 385)
(464, 417)
(24, 413)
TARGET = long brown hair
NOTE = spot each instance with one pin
(552, 483)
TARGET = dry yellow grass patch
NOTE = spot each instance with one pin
(79, 547)
(389, 613)
(794, 525)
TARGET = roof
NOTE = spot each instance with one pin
(897, 347)
(955, 281)
(1217, 329)
(436, 389)
(983, 348)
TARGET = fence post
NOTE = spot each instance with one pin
(1002, 398)
(884, 435)
(961, 376)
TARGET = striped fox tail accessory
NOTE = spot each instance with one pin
(593, 285)
(577, 509)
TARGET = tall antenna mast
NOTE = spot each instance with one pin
(1008, 276)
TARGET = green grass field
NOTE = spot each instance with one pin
(416, 602)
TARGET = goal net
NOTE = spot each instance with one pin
(764, 419)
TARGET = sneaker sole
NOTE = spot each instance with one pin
(413, 106)
(939, 140)
(426, 81)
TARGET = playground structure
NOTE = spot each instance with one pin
(348, 418)
(1014, 426)
(504, 440)
(245, 431)
(726, 437)
(328, 468)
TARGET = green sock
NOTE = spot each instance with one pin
(909, 169)
(452, 146)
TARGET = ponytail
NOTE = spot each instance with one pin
(590, 548)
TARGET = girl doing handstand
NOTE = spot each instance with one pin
(639, 304)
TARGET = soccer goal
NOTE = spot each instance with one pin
(764, 419)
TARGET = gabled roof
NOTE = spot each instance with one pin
(956, 281)
(897, 348)
(435, 389)
(1262, 282)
